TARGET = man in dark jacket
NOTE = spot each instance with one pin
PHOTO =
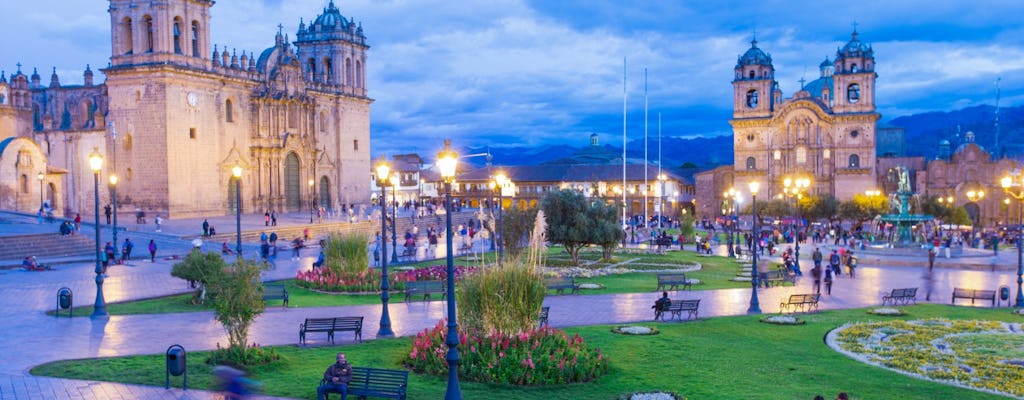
(336, 379)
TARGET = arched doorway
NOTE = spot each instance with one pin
(325, 192)
(292, 183)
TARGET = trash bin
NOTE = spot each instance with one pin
(176, 365)
(1004, 294)
(65, 300)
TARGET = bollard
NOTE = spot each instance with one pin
(176, 365)
(65, 301)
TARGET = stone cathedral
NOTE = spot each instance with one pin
(826, 131)
(176, 113)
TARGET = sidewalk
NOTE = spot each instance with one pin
(33, 338)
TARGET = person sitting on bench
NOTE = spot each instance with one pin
(661, 304)
(319, 260)
(336, 378)
(224, 249)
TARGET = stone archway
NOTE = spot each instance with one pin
(292, 183)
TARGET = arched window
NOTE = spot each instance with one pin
(751, 163)
(323, 121)
(23, 182)
(149, 33)
(177, 35)
(751, 74)
(195, 38)
(853, 93)
(126, 35)
(348, 71)
(359, 74)
(229, 112)
(311, 69)
(752, 98)
(128, 142)
(853, 68)
(854, 161)
(328, 71)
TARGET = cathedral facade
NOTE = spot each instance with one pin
(826, 131)
(176, 114)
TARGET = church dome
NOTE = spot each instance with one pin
(854, 48)
(825, 64)
(754, 56)
(330, 20)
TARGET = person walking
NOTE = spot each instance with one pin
(106, 211)
(266, 218)
(126, 250)
(273, 218)
(828, 281)
(206, 228)
(851, 263)
(833, 262)
(78, 222)
(152, 251)
(273, 243)
(816, 275)
(157, 220)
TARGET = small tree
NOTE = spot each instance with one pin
(517, 224)
(686, 226)
(606, 230)
(960, 216)
(568, 222)
(201, 268)
(239, 299)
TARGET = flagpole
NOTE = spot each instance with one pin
(646, 185)
(661, 194)
(623, 143)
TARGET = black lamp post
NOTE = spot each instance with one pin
(755, 307)
(394, 218)
(1010, 182)
(794, 189)
(96, 164)
(446, 162)
(113, 200)
(40, 176)
(236, 171)
(383, 170)
(503, 182)
(312, 204)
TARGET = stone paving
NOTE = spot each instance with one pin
(33, 338)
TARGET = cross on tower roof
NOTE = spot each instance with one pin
(280, 28)
(19, 67)
(802, 80)
(855, 26)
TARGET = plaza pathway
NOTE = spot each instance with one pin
(32, 338)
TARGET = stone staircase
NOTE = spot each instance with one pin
(368, 228)
(49, 245)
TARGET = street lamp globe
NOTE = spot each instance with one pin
(447, 159)
(40, 176)
(236, 171)
(95, 160)
(113, 180)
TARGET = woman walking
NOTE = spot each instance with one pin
(152, 251)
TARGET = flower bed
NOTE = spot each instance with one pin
(635, 330)
(369, 280)
(982, 355)
(542, 356)
(782, 320)
(650, 396)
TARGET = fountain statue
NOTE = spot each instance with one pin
(900, 201)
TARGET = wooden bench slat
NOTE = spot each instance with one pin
(800, 301)
(330, 326)
(377, 382)
(974, 294)
(673, 281)
(275, 292)
(561, 284)
(426, 288)
(676, 307)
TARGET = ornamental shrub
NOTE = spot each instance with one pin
(200, 269)
(369, 281)
(345, 254)
(542, 356)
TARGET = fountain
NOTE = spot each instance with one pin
(903, 220)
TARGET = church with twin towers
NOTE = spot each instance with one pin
(177, 113)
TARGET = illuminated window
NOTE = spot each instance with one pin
(854, 161)
(853, 93)
(751, 163)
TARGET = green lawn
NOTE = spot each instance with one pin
(715, 274)
(717, 358)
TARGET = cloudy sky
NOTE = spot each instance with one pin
(528, 72)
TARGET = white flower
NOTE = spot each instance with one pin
(887, 311)
(652, 396)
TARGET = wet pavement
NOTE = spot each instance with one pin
(33, 338)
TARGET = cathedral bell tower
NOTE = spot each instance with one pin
(854, 78)
(754, 85)
(144, 31)
(332, 51)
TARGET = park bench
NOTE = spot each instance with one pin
(408, 254)
(275, 292)
(676, 307)
(330, 326)
(905, 295)
(426, 288)
(376, 382)
(561, 284)
(801, 301)
(673, 281)
(779, 277)
(961, 293)
(544, 315)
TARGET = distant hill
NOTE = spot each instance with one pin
(924, 131)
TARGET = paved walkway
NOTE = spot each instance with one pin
(32, 338)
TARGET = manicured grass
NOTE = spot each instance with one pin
(297, 297)
(718, 358)
(715, 274)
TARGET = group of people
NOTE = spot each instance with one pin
(826, 274)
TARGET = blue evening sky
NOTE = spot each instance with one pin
(522, 72)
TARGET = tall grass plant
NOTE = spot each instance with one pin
(345, 254)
